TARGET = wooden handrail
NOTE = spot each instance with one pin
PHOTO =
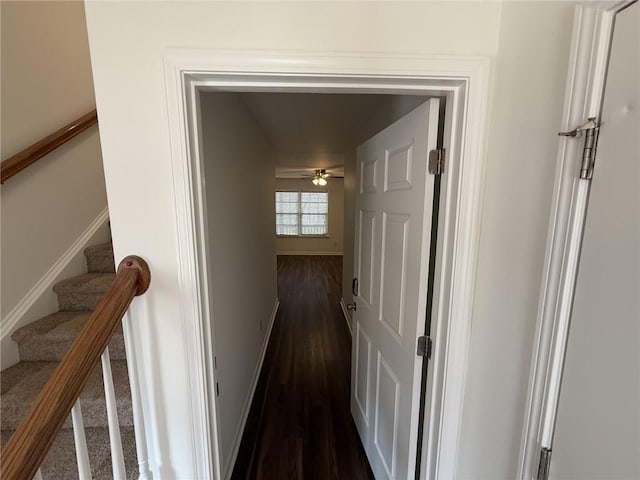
(26, 449)
(29, 155)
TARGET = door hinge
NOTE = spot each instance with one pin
(436, 161)
(545, 462)
(424, 346)
(592, 130)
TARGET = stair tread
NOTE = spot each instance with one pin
(49, 338)
(93, 282)
(43, 343)
(56, 326)
(83, 292)
(60, 461)
(101, 248)
(100, 258)
(21, 383)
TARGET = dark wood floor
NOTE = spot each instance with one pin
(299, 426)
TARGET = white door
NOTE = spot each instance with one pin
(393, 217)
(597, 432)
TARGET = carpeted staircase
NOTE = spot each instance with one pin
(42, 344)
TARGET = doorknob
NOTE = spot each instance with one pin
(352, 306)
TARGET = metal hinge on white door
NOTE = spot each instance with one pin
(545, 462)
(424, 346)
(591, 129)
(436, 161)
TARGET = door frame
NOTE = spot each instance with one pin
(588, 63)
(464, 81)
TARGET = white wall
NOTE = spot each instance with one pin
(333, 242)
(528, 92)
(46, 83)
(530, 44)
(239, 175)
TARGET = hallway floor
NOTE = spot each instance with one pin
(299, 426)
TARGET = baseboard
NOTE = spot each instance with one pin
(310, 253)
(252, 390)
(347, 319)
(12, 320)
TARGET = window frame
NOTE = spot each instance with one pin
(299, 214)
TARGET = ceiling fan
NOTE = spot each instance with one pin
(318, 176)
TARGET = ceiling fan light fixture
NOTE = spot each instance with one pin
(320, 178)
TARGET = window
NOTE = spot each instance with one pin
(302, 213)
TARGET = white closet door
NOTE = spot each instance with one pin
(597, 432)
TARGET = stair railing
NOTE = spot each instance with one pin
(21, 160)
(24, 452)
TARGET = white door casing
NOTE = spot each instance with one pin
(463, 80)
(393, 216)
(592, 34)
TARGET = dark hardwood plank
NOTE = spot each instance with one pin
(299, 425)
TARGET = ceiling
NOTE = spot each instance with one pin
(313, 130)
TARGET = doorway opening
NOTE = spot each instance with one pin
(465, 93)
(243, 136)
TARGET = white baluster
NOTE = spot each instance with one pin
(117, 457)
(38, 475)
(82, 454)
(136, 402)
